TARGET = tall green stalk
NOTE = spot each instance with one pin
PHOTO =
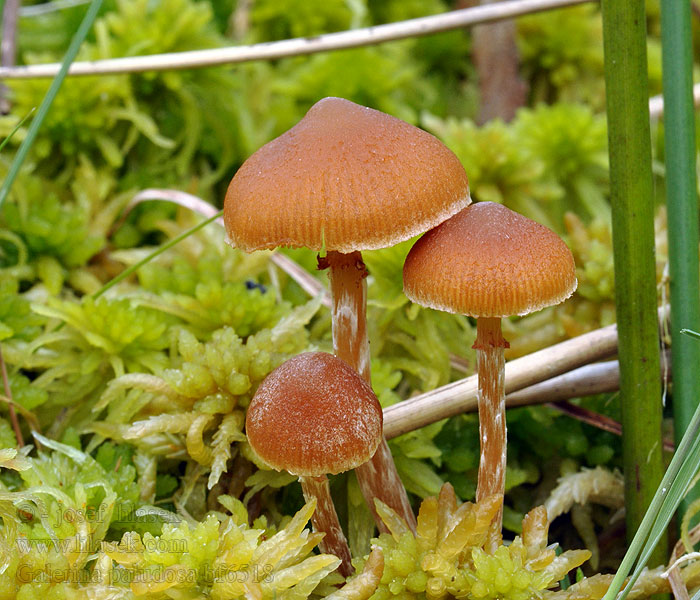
(681, 198)
(624, 37)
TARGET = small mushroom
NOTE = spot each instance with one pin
(489, 262)
(314, 415)
(347, 178)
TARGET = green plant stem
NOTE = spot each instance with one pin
(681, 198)
(16, 128)
(624, 36)
(169, 244)
(45, 105)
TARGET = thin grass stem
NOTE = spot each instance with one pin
(681, 200)
(16, 128)
(169, 244)
(46, 103)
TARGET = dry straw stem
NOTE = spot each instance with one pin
(598, 378)
(679, 556)
(460, 396)
(354, 38)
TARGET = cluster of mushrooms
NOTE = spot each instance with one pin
(345, 179)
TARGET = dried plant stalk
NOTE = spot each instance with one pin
(300, 46)
(460, 396)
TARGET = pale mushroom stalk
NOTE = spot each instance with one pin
(489, 262)
(347, 274)
(325, 519)
(490, 366)
(378, 478)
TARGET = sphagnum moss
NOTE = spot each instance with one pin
(446, 557)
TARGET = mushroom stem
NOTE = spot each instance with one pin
(348, 281)
(378, 477)
(490, 366)
(325, 520)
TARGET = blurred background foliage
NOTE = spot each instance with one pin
(142, 372)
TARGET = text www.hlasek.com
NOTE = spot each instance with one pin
(81, 544)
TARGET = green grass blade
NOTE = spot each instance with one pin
(169, 244)
(45, 105)
(15, 129)
(680, 472)
(671, 501)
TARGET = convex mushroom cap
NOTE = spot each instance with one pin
(344, 178)
(314, 415)
(488, 261)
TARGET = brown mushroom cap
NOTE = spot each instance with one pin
(344, 178)
(314, 415)
(488, 261)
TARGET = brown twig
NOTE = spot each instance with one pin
(11, 406)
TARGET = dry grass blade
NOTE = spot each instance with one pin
(679, 554)
(193, 203)
(300, 46)
(683, 553)
(680, 591)
(597, 378)
(589, 417)
(308, 283)
(597, 420)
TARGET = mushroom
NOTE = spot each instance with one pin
(489, 262)
(344, 179)
(311, 416)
